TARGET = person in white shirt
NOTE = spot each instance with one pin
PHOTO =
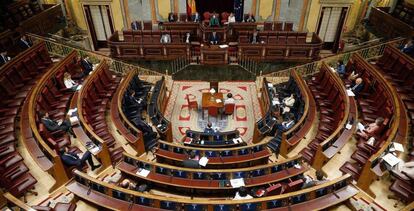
(187, 37)
(165, 38)
(289, 101)
(229, 100)
(242, 194)
(4, 58)
(69, 83)
(231, 18)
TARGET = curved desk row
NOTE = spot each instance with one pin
(112, 197)
(214, 139)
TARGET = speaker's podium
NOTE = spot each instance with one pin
(214, 54)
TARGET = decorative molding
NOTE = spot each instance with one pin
(96, 1)
(336, 1)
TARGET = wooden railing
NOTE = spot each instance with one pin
(12, 201)
(57, 170)
(313, 67)
(60, 49)
(388, 25)
(298, 132)
(340, 189)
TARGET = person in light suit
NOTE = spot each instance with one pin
(4, 58)
(195, 17)
(165, 38)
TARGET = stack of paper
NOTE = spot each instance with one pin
(348, 126)
(391, 159)
(223, 46)
(203, 161)
(71, 111)
(237, 183)
(361, 126)
(143, 172)
(350, 93)
(74, 120)
(218, 101)
(94, 150)
(270, 85)
(237, 140)
(78, 87)
(398, 147)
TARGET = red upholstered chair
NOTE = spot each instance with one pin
(192, 104)
(206, 16)
(229, 108)
(212, 111)
(224, 17)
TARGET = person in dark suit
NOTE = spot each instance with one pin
(214, 38)
(191, 162)
(208, 129)
(171, 17)
(86, 65)
(408, 48)
(357, 86)
(250, 18)
(255, 38)
(4, 58)
(53, 125)
(24, 43)
(195, 17)
(135, 25)
(72, 159)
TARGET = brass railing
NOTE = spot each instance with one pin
(313, 67)
(120, 67)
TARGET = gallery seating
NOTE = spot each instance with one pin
(390, 25)
(111, 196)
(335, 113)
(156, 108)
(214, 180)
(94, 99)
(244, 156)
(367, 162)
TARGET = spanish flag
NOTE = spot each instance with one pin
(191, 7)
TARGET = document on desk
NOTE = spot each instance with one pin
(143, 172)
(391, 159)
(78, 87)
(94, 150)
(350, 93)
(223, 46)
(237, 140)
(398, 147)
(361, 126)
(71, 111)
(74, 120)
(237, 183)
(218, 101)
(348, 126)
(203, 161)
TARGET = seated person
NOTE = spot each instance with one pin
(187, 38)
(310, 182)
(208, 129)
(86, 65)
(71, 159)
(287, 124)
(171, 17)
(24, 42)
(165, 38)
(195, 17)
(132, 101)
(214, 38)
(52, 125)
(229, 100)
(408, 48)
(250, 18)
(243, 193)
(135, 25)
(4, 58)
(231, 18)
(372, 129)
(255, 38)
(214, 21)
(357, 86)
(127, 184)
(192, 161)
(69, 83)
(340, 68)
(289, 101)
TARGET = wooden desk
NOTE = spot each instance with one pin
(213, 54)
(213, 106)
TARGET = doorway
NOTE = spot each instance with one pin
(330, 26)
(214, 6)
(99, 23)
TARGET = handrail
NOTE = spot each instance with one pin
(17, 202)
(104, 152)
(214, 201)
(367, 176)
(127, 155)
(313, 67)
(58, 171)
(117, 66)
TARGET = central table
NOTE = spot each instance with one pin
(209, 102)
